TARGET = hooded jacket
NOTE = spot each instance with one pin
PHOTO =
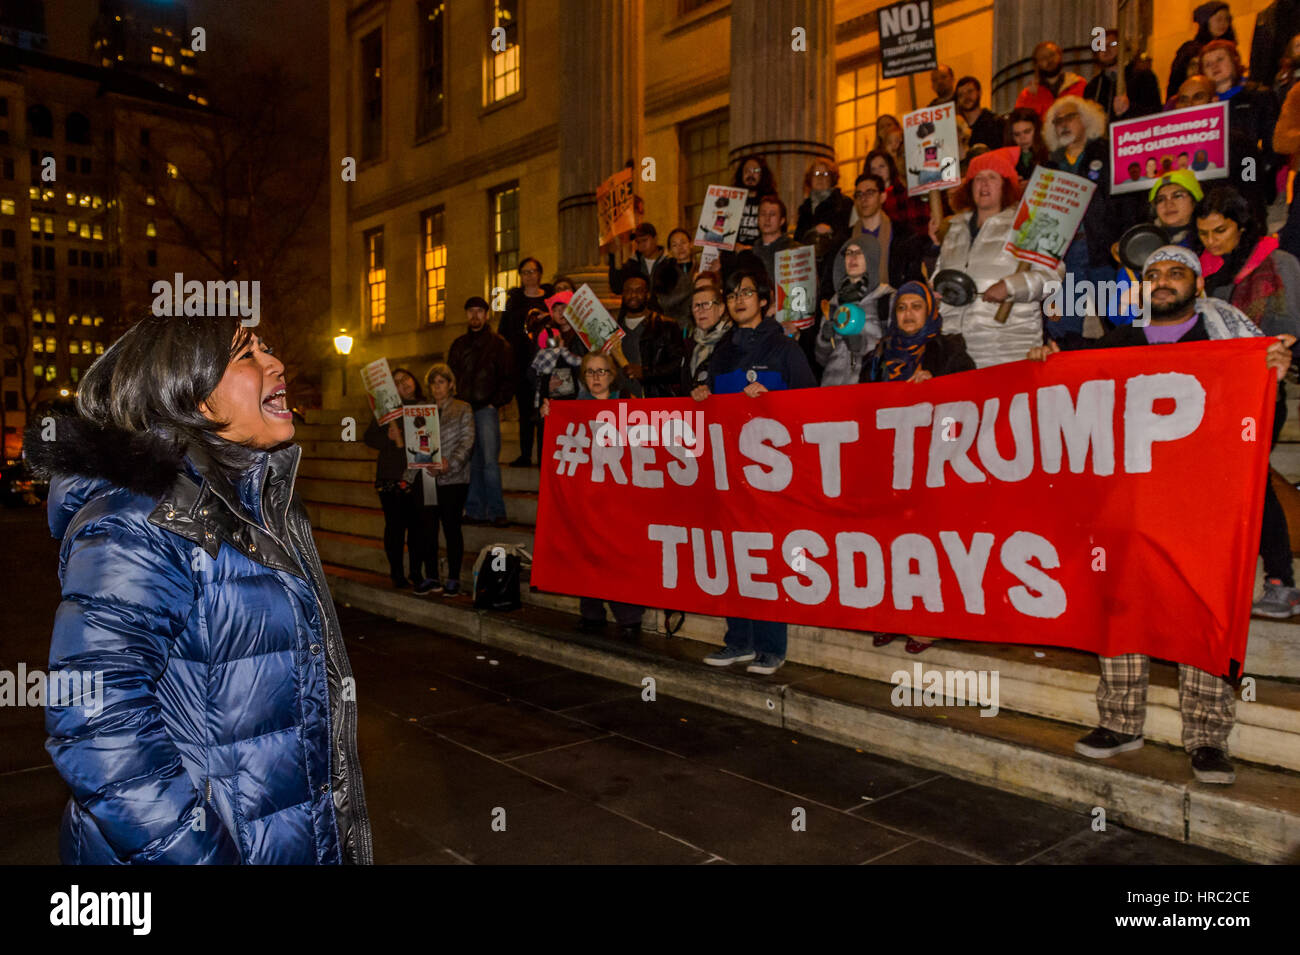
(986, 261)
(484, 367)
(764, 351)
(842, 356)
(1266, 287)
(1039, 97)
(227, 696)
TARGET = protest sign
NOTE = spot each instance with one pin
(422, 436)
(720, 217)
(385, 402)
(615, 204)
(592, 321)
(931, 149)
(796, 285)
(1060, 503)
(1144, 149)
(710, 258)
(906, 38)
(1050, 212)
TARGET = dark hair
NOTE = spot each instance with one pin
(969, 79)
(766, 180)
(893, 166)
(1229, 203)
(1203, 34)
(154, 378)
(668, 240)
(635, 276)
(772, 198)
(1026, 115)
(536, 262)
(758, 277)
(880, 183)
(419, 392)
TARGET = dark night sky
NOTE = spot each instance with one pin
(236, 30)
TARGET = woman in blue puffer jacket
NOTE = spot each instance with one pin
(225, 731)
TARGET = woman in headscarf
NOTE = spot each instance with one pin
(913, 349)
(851, 325)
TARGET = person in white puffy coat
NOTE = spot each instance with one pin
(989, 195)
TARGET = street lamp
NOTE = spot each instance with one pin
(343, 345)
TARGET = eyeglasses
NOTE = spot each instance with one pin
(821, 174)
(530, 271)
(1065, 118)
(599, 373)
(705, 306)
(1172, 197)
(741, 293)
(864, 193)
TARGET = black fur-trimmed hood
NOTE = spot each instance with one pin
(140, 462)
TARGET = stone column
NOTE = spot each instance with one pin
(1018, 27)
(601, 107)
(782, 100)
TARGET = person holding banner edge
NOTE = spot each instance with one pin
(1207, 702)
(754, 357)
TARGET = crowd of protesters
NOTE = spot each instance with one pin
(1227, 267)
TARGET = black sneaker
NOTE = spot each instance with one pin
(1213, 766)
(1102, 743)
(590, 626)
(429, 586)
(630, 632)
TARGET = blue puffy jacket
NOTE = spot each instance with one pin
(226, 727)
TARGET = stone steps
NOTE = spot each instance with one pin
(1257, 819)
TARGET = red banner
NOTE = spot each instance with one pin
(1109, 501)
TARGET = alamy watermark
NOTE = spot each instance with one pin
(181, 297)
(1081, 298)
(924, 687)
(84, 688)
(640, 429)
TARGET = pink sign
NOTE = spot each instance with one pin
(1144, 149)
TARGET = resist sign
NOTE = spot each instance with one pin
(1108, 501)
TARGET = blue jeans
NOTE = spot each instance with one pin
(485, 501)
(761, 636)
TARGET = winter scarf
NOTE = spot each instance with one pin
(705, 342)
(902, 353)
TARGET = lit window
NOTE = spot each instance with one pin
(99, 232)
(72, 319)
(38, 372)
(50, 372)
(187, 52)
(150, 229)
(36, 223)
(99, 348)
(71, 197)
(50, 344)
(155, 54)
(172, 171)
(99, 320)
(49, 226)
(7, 207)
(149, 200)
(169, 60)
(503, 206)
(49, 320)
(203, 101)
(38, 345)
(72, 226)
(861, 95)
(85, 230)
(503, 71)
(85, 319)
(74, 348)
(33, 193)
(96, 202)
(84, 202)
(433, 253)
(85, 346)
(186, 69)
(36, 316)
(47, 195)
(75, 374)
(376, 279)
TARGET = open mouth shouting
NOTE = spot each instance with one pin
(276, 404)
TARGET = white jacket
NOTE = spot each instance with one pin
(986, 263)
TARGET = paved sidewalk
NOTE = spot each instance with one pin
(584, 769)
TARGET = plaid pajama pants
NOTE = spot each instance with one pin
(1207, 703)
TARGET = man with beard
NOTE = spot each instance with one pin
(1207, 702)
(652, 345)
(942, 82)
(1050, 81)
(985, 126)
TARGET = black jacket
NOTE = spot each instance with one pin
(944, 355)
(661, 356)
(391, 464)
(1252, 116)
(1106, 218)
(988, 128)
(514, 328)
(1143, 92)
(835, 212)
(775, 361)
(484, 369)
(633, 266)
